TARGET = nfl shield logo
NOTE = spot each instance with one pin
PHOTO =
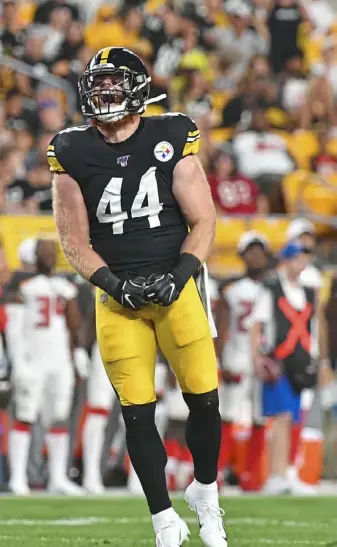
(103, 298)
(123, 161)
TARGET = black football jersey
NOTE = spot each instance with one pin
(136, 225)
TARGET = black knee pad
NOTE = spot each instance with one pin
(139, 417)
(202, 403)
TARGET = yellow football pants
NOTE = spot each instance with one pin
(128, 343)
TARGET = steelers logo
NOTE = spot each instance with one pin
(163, 151)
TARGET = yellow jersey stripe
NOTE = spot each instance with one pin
(105, 55)
(51, 147)
(193, 133)
(191, 148)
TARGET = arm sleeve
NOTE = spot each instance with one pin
(59, 154)
(187, 136)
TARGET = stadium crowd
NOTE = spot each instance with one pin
(260, 80)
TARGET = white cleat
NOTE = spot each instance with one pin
(277, 485)
(205, 503)
(94, 487)
(67, 488)
(19, 489)
(172, 533)
(300, 488)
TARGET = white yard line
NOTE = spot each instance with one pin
(82, 521)
(88, 521)
(86, 540)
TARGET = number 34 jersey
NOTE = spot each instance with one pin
(135, 222)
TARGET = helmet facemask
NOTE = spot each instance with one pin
(108, 94)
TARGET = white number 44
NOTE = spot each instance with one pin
(148, 187)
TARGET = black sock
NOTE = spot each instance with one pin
(203, 434)
(147, 454)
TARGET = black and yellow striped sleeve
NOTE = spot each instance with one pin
(192, 143)
(54, 163)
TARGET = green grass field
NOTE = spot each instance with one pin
(124, 522)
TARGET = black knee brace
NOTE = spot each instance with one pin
(203, 403)
(139, 416)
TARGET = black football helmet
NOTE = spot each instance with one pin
(115, 83)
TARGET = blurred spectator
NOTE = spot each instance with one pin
(72, 43)
(32, 194)
(164, 34)
(45, 9)
(55, 31)
(124, 30)
(18, 114)
(232, 192)
(330, 62)
(303, 231)
(324, 163)
(246, 36)
(294, 85)
(33, 56)
(51, 116)
(319, 106)
(320, 13)
(262, 152)
(257, 89)
(12, 35)
(284, 19)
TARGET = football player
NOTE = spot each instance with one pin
(237, 401)
(43, 375)
(135, 217)
(100, 396)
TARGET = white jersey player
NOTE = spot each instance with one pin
(43, 374)
(233, 343)
(100, 397)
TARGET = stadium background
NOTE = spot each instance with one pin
(259, 86)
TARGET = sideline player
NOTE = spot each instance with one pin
(238, 400)
(133, 186)
(43, 375)
(100, 396)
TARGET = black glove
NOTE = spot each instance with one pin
(130, 294)
(164, 289)
(161, 289)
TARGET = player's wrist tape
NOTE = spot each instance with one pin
(187, 266)
(106, 280)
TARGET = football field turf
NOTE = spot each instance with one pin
(124, 522)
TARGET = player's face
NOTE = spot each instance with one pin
(256, 258)
(46, 255)
(108, 89)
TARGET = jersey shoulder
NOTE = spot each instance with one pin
(19, 277)
(181, 131)
(61, 150)
(65, 288)
(228, 284)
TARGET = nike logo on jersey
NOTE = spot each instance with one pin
(123, 160)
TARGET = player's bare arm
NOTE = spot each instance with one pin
(191, 190)
(73, 227)
(73, 318)
(222, 317)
